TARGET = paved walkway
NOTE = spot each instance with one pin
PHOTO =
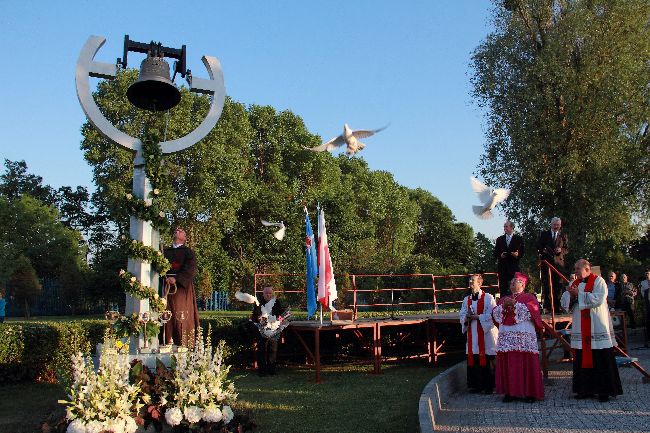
(559, 412)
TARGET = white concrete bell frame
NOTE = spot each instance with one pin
(142, 230)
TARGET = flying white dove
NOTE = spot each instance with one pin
(245, 297)
(489, 196)
(279, 235)
(350, 138)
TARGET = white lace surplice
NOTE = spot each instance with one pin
(520, 337)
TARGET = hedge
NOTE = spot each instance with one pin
(41, 351)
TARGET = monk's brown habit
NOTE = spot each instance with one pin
(183, 264)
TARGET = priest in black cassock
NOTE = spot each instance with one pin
(182, 303)
(508, 250)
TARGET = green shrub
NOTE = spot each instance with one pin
(41, 350)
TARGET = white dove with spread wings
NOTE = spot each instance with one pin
(279, 235)
(350, 138)
(489, 197)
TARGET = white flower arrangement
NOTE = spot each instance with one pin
(200, 386)
(102, 400)
(195, 392)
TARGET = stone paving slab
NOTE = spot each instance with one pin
(559, 412)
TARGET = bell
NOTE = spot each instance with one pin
(154, 90)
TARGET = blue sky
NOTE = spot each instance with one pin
(366, 63)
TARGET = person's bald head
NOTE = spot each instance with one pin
(179, 236)
(582, 268)
(267, 293)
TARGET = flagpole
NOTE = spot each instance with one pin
(319, 276)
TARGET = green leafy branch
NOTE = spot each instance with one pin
(138, 250)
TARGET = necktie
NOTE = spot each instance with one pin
(508, 237)
(554, 236)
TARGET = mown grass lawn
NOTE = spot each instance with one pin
(349, 400)
(24, 406)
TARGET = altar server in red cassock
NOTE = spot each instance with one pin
(518, 373)
(476, 322)
(592, 336)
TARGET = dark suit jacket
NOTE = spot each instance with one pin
(546, 247)
(509, 264)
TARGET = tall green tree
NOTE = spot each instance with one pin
(23, 283)
(565, 88)
(32, 229)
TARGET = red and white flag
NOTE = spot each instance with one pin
(326, 283)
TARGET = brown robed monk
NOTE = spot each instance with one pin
(182, 303)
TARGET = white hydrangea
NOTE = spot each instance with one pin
(212, 413)
(173, 416)
(115, 425)
(94, 426)
(228, 414)
(193, 414)
(76, 426)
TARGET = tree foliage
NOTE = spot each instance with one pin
(253, 166)
(32, 229)
(23, 283)
(565, 85)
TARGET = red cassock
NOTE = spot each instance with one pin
(518, 372)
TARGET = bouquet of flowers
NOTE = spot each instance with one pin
(102, 400)
(200, 392)
(271, 326)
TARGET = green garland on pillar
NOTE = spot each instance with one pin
(138, 250)
(148, 209)
(133, 287)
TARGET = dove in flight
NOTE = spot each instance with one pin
(489, 197)
(350, 138)
(245, 297)
(279, 235)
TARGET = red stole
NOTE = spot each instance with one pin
(585, 324)
(479, 330)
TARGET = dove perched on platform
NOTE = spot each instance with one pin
(245, 297)
(350, 138)
(279, 235)
(489, 197)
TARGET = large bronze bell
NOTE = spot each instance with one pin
(154, 90)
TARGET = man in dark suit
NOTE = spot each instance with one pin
(508, 250)
(552, 246)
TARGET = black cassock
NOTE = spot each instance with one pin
(183, 302)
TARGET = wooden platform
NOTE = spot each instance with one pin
(368, 331)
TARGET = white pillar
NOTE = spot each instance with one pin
(141, 231)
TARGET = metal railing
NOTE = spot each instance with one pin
(551, 270)
(433, 291)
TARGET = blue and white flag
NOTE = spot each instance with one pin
(312, 266)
